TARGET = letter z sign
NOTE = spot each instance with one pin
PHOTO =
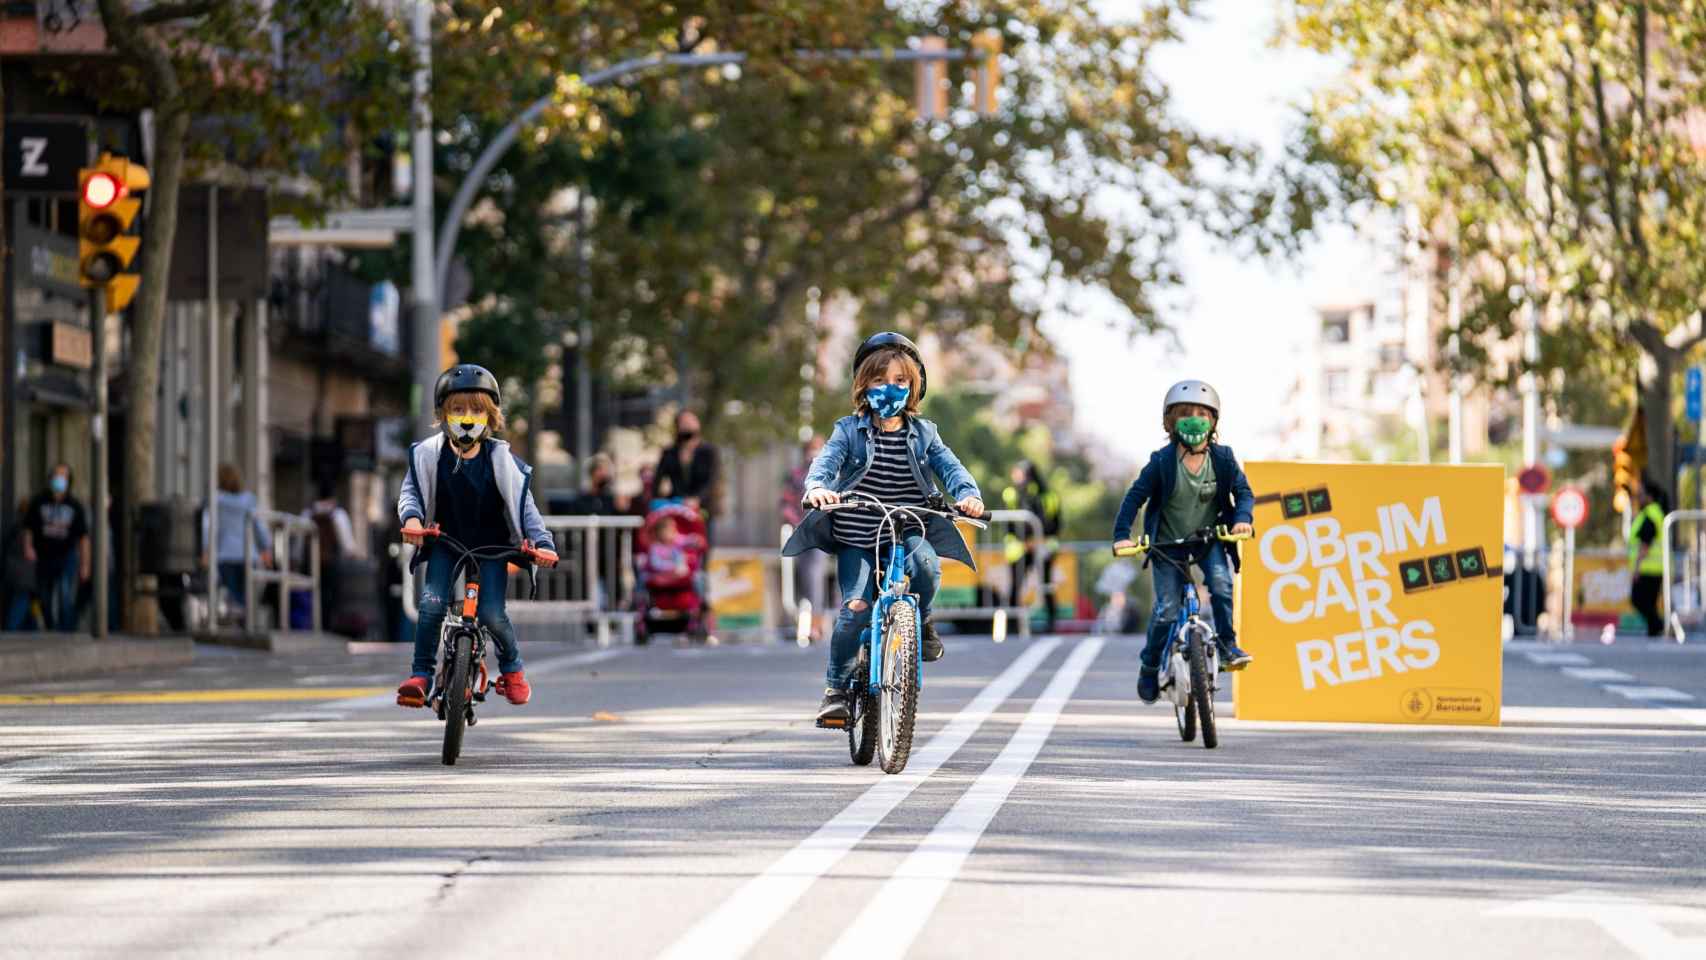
(43, 156)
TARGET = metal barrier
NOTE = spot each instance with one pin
(1689, 606)
(993, 582)
(592, 585)
(280, 527)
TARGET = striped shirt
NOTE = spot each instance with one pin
(890, 480)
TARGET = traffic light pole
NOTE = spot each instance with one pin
(98, 433)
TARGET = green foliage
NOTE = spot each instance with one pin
(788, 174)
(1554, 146)
(989, 451)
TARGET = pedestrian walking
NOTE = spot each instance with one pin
(56, 540)
(1028, 490)
(1647, 554)
(235, 511)
(20, 602)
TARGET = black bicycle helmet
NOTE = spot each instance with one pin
(466, 376)
(891, 339)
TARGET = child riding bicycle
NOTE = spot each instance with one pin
(476, 490)
(1190, 484)
(884, 450)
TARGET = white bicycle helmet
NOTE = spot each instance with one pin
(1192, 391)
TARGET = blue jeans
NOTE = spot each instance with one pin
(1170, 584)
(435, 595)
(58, 593)
(855, 571)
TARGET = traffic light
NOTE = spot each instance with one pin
(1629, 460)
(106, 207)
(988, 47)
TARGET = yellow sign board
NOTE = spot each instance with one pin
(1372, 593)
(737, 591)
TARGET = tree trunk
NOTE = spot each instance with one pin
(147, 324)
(1657, 372)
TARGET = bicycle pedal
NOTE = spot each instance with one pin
(471, 719)
(832, 724)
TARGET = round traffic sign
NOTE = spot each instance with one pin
(1534, 478)
(1570, 507)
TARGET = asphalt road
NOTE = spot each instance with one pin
(661, 802)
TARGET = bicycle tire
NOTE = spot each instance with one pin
(862, 730)
(1186, 718)
(456, 694)
(898, 697)
(1202, 694)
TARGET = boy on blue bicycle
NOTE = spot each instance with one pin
(885, 451)
(1190, 484)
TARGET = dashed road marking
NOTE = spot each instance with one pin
(1560, 658)
(106, 697)
(1604, 674)
(1649, 694)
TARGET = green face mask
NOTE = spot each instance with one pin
(1192, 431)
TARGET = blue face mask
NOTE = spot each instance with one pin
(888, 400)
(58, 483)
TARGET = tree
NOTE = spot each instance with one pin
(281, 88)
(817, 174)
(1556, 145)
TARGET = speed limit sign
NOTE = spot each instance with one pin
(1570, 507)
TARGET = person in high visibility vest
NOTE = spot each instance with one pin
(1029, 491)
(1647, 555)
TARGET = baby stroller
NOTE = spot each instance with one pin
(669, 563)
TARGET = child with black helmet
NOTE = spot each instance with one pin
(469, 483)
(886, 451)
(1191, 483)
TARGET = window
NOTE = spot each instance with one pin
(1338, 386)
(1336, 326)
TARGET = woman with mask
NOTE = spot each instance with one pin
(687, 471)
(476, 490)
(887, 451)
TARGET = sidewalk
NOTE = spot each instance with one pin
(40, 657)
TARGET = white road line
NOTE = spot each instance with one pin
(1642, 928)
(1649, 694)
(893, 918)
(1601, 674)
(1547, 658)
(742, 920)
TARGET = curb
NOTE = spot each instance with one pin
(280, 642)
(63, 657)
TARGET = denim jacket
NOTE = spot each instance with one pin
(1149, 493)
(418, 498)
(846, 458)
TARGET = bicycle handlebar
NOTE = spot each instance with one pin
(1221, 533)
(874, 505)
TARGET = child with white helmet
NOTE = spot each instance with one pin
(1190, 484)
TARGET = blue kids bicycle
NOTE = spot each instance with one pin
(1190, 662)
(883, 702)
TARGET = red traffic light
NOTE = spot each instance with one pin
(102, 190)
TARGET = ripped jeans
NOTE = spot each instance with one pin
(435, 595)
(856, 573)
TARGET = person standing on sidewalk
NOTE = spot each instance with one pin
(56, 540)
(1647, 555)
(687, 471)
(809, 567)
(234, 510)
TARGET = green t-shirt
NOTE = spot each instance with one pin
(1192, 505)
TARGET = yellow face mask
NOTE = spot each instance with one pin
(465, 429)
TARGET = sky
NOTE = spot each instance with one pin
(1241, 322)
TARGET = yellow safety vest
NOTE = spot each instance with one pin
(1654, 564)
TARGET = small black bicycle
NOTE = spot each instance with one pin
(462, 679)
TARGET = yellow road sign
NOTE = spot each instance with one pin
(1372, 593)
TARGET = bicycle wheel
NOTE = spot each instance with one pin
(456, 695)
(1202, 694)
(898, 699)
(1186, 717)
(862, 728)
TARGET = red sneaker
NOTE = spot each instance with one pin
(412, 693)
(514, 687)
